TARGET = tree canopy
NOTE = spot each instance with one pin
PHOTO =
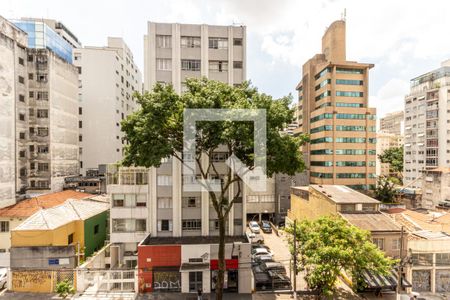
(386, 191)
(155, 132)
(394, 157)
(328, 246)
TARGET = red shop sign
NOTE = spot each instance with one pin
(230, 264)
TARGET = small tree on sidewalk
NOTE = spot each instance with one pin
(328, 246)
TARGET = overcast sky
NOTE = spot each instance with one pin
(403, 39)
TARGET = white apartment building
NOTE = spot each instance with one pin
(13, 43)
(108, 77)
(385, 141)
(427, 124)
(174, 52)
(436, 188)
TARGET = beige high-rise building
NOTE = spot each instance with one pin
(333, 109)
(393, 123)
(385, 141)
(174, 52)
(101, 139)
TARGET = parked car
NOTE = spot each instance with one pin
(3, 277)
(257, 260)
(260, 252)
(266, 227)
(255, 238)
(254, 227)
(274, 267)
(268, 281)
(254, 246)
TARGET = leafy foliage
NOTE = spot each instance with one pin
(156, 131)
(394, 157)
(330, 245)
(386, 191)
(64, 289)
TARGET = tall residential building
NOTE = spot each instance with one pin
(333, 110)
(47, 125)
(13, 91)
(427, 119)
(101, 139)
(385, 141)
(174, 52)
(393, 123)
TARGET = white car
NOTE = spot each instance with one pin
(3, 277)
(254, 227)
(260, 252)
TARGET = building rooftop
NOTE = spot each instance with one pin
(432, 235)
(26, 208)
(342, 194)
(371, 221)
(418, 221)
(69, 211)
(190, 240)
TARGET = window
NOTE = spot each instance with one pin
(30, 58)
(237, 42)
(41, 77)
(350, 164)
(218, 66)
(80, 139)
(128, 225)
(321, 128)
(323, 95)
(43, 167)
(237, 64)
(21, 61)
(322, 163)
(22, 153)
(164, 64)
(349, 71)
(321, 140)
(31, 148)
(141, 200)
(322, 84)
(396, 244)
(190, 42)
(321, 175)
(219, 156)
(96, 229)
(323, 72)
(442, 259)
(30, 94)
(349, 82)
(70, 239)
(347, 207)
(22, 135)
(164, 202)
(42, 113)
(350, 140)
(195, 281)
(350, 175)
(218, 43)
(80, 124)
(321, 117)
(42, 131)
(21, 80)
(191, 202)
(351, 151)
(379, 242)
(368, 207)
(79, 70)
(4, 226)
(425, 259)
(22, 117)
(164, 180)
(42, 96)
(349, 94)
(31, 112)
(164, 41)
(42, 149)
(80, 110)
(322, 152)
(141, 224)
(194, 224)
(190, 65)
(164, 225)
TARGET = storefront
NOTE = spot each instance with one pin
(231, 276)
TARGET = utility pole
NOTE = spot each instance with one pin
(295, 259)
(400, 267)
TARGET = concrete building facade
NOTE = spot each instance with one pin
(427, 119)
(13, 54)
(101, 139)
(393, 123)
(333, 109)
(174, 52)
(436, 188)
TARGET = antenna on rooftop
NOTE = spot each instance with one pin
(344, 15)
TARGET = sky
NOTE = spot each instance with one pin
(404, 39)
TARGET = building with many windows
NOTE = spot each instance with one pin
(174, 52)
(13, 90)
(386, 140)
(101, 139)
(427, 119)
(393, 123)
(333, 109)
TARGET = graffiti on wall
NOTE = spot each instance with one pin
(30, 280)
(167, 281)
(442, 281)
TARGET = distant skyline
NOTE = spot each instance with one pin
(404, 39)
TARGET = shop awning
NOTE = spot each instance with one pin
(377, 281)
(190, 267)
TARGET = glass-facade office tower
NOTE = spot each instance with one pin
(333, 110)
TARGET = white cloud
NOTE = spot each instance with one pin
(390, 97)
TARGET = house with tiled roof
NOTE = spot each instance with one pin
(13, 215)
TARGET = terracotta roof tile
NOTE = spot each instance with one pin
(26, 208)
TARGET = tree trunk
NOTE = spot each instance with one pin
(221, 258)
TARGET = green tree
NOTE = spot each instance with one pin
(64, 288)
(386, 191)
(394, 157)
(156, 131)
(330, 245)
